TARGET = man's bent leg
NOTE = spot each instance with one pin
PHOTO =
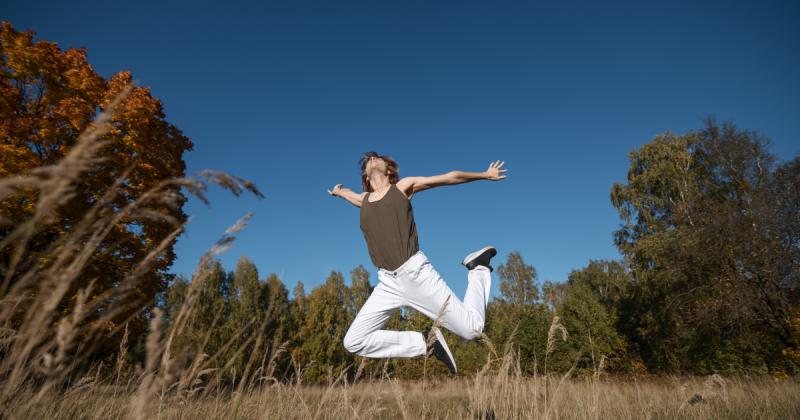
(365, 338)
(428, 292)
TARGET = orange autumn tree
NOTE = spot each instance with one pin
(47, 98)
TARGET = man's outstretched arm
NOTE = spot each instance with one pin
(347, 194)
(413, 184)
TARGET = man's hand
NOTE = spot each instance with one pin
(337, 189)
(494, 171)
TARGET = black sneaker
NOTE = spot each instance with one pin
(438, 348)
(480, 257)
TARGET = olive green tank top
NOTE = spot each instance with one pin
(389, 229)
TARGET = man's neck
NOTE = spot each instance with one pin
(380, 185)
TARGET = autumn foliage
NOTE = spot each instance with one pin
(48, 97)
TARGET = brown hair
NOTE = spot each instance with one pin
(391, 166)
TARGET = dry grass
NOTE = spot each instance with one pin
(42, 349)
(490, 396)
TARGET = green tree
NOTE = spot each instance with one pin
(609, 281)
(591, 327)
(175, 297)
(323, 330)
(713, 269)
(518, 317)
(277, 332)
(360, 289)
(248, 311)
(206, 331)
(518, 280)
(298, 311)
(608, 284)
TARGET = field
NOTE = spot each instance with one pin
(487, 396)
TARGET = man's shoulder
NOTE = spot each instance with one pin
(406, 185)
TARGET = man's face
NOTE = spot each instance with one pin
(375, 163)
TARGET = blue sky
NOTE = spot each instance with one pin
(289, 94)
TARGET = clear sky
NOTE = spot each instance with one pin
(289, 94)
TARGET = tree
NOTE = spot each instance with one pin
(609, 281)
(597, 303)
(360, 289)
(713, 256)
(207, 330)
(519, 311)
(277, 331)
(248, 310)
(175, 297)
(298, 310)
(518, 280)
(591, 327)
(49, 96)
(324, 328)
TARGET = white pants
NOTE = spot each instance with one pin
(418, 285)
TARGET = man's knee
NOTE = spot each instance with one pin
(352, 343)
(470, 333)
(476, 332)
(475, 329)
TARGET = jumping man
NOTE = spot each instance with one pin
(406, 277)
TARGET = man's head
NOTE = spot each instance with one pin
(373, 164)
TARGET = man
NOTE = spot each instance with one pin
(406, 277)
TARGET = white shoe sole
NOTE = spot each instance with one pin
(440, 337)
(470, 257)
